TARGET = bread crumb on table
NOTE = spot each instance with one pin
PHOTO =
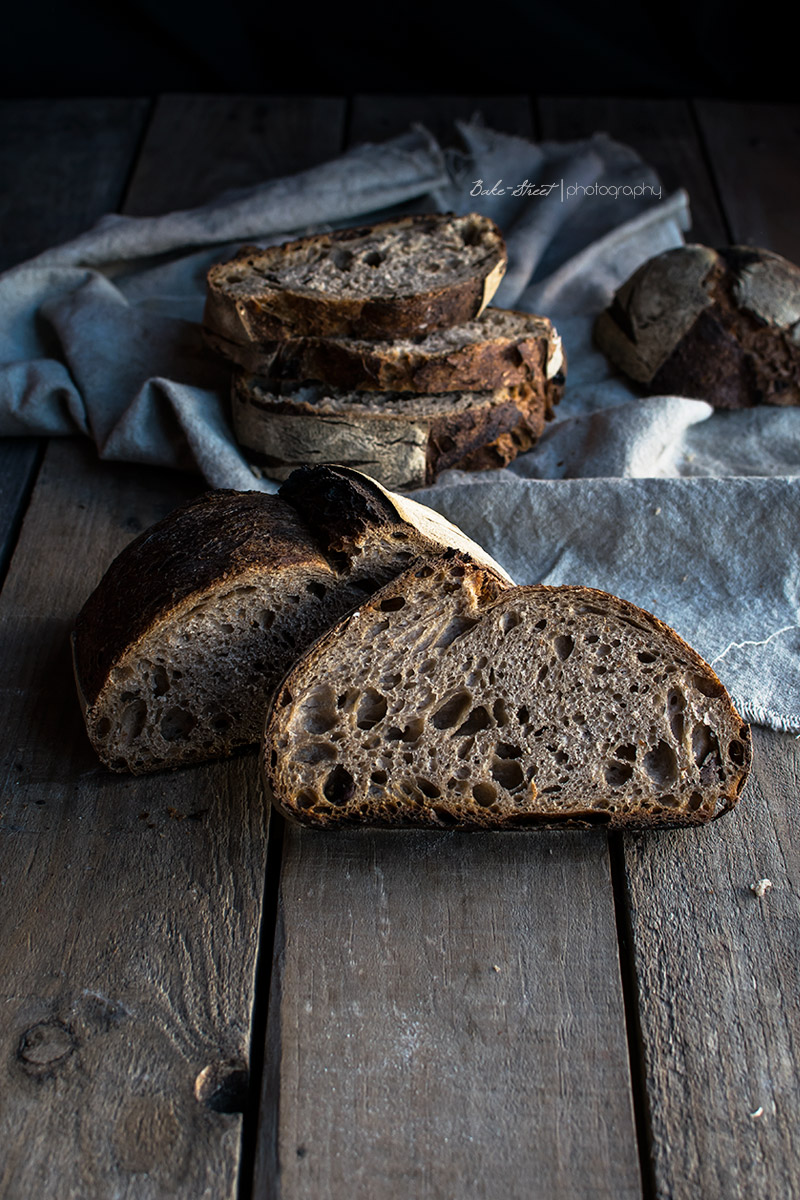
(761, 888)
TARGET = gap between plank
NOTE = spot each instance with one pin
(705, 154)
(15, 525)
(261, 1001)
(630, 997)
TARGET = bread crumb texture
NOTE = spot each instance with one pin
(454, 703)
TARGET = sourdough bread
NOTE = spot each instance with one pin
(398, 278)
(402, 440)
(717, 325)
(449, 701)
(179, 646)
(500, 348)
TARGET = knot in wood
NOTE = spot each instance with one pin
(45, 1046)
(223, 1086)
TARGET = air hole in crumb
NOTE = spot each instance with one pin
(371, 708)
(413, 730)
(736, 753)
(591, 638)
(478, 719)
(221, 723)
(266, 619)
(509, 621)
(319, 709)
(160, 682)
(392, 603)
(315, 753)
(627, 751)
(695, 801)
(564, 645)
(542, 673)
(453, 711)
(644, 656)
(177, 723)
(523, 715)
(507, 773)
(661, 764)
(453, 631)
(541, 624)
(316, 589)
(428, 789)
(499, 711)
(484, 793)
(339, 786)
(704, 743)
(506, 750)
(306, 799)
(374, 258)
(472, 234)
(617, 774)
(709, 687)
(379, 777)
(103, 727)
(445, 817)
(133, 720)
(341, 258)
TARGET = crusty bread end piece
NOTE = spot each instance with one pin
(446, 701)
(398, 278)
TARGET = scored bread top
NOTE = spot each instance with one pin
(398, 278)
(448, 701)
(499, 348)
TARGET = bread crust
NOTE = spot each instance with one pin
(534, 358)
(278, 311)
(402, 447)
(495, 599)
(719, 326)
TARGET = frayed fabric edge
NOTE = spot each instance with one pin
(758, 715)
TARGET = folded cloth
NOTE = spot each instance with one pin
(660, 500)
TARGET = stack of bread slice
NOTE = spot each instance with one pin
(374, 348)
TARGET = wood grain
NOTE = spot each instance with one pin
(127, 948)
(63, 164)
(662, 131)
(448, 1014)
(230, 142)
(399, 1062)
(375, 117)
(718, 981)
(754, 151)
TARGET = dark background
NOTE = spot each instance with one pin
(127, 47)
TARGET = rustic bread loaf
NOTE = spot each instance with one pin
(717, 325)
(500, 348)
(399, 278)
(450, 701)
(402, 440)
(194, 623)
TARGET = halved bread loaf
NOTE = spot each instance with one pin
(500, 348)
(400, 439)
(449, 701)
(398, 278)
(178, 648)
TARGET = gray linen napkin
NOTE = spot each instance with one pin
(686, 511)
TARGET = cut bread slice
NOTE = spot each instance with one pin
(500, 348)
(178, 648)
(446, 701)
(398, 278)
(402, 440)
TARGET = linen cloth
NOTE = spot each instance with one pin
(689, 512)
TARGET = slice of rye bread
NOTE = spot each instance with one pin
(501, 348)
(398, 278)
(402, 440)
(179, 646)
(449, 701)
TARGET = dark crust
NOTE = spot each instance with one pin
(377, 366)
(342, 505)
(282, 313)
(491, 433)
(199, 546)
(582, 819)
(729, 357)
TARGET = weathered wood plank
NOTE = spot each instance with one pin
(231, 141)
(754, 150)
(63, 164)
(375, 117)
(129, 948)
(664, 134)
(399, 1061)
(719, 978)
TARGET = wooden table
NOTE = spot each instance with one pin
(197, 1002)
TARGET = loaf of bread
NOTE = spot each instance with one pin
(399, 278)
(716, 325)
(401, 439)
(449, 700)
(181, 643)
(501, 348)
